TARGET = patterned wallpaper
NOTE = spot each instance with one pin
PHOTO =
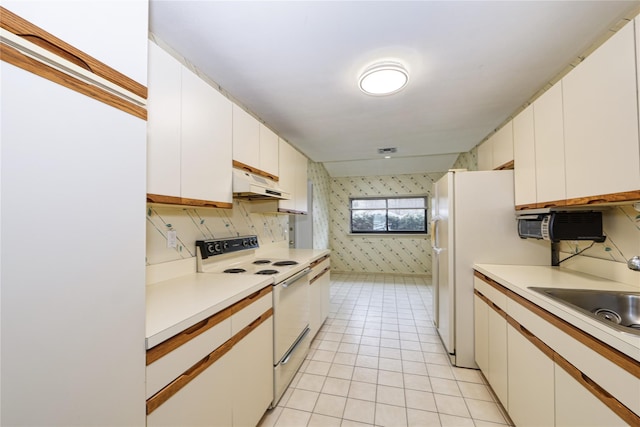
(468, 161)
(193, 224)
(374, 254)
(321, 180)
(621, 225)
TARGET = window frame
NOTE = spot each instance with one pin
(387, 209)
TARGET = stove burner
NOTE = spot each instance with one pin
(267, 272)
(235, 270)
(262, 261)
(283, 263)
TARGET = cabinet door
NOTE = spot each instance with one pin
(268, 150)
(485, 155)
(497, 330)
(163, 124)
(576, 406)
(524, 156)
(301, 204)
(550, 146)
(287, 160)
(253, 375)
(246, 138)
(113, 32)
(206, 164)
(502, 146)
(531, 382)
(601, 120)
(205, 401)
(325, 296)
(481, 333)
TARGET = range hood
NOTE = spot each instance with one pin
(247, 185)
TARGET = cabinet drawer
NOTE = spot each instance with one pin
(170, 366)
(497, 297)
(258, 304)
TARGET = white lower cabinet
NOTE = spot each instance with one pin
(576, 406)
(319, 294)
(498, 365)
(253, 375)
(481, 330)
(205, 401)
(530, 382)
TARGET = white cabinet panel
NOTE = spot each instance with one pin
(524, 156)
(576, 406)
(502, 145)
(73, 320)
(549, 145)
(252, 387)
(206, 168)
(481, 332)
(202, 402)
(301, 183)
(485, 156)
(164, 123)
(531, 382)
(246, 137)
(601, 120)
(497, 331)
(293, 174)
(113, 32)
(268, 150)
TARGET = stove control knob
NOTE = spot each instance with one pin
(254, 241)
(245, 242)
(225, 246)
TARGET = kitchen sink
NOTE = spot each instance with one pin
(618, 310)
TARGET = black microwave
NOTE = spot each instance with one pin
(557, 226)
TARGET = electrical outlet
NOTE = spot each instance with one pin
(172, 239)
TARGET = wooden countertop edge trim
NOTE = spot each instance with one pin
(14, 57)
(626, 196)
(319, 260)
(193, 331)
(291, 211)
(507, 166)
(176, 385)
(605, 350)
(254, 170)
(182, 201)
(29, 31)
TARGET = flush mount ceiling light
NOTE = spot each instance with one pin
(383, 78)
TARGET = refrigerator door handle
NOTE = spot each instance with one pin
(434, 234)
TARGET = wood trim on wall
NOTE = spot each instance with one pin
(507, 166)
(28, 31)
(182, 201)
(20, 60)
(254, 170)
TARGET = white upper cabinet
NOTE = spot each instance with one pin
(188, 136)
(206, 167)
(549, 146)
(113, 32)
(497, 151)
(254, 144)
(164, 123)
(601, 120)
(524, 157)
(269, 147)
(246, 137)
(293, 178)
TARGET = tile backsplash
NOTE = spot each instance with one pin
(191, 224)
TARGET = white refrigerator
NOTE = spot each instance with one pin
(473, 221)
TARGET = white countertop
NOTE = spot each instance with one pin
(176, 304)
(519, 277)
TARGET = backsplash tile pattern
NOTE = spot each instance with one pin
(191, 224)
(321, 194)
(621, 225)
(373, 254)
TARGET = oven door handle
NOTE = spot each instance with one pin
(295, 278)
(287, 356)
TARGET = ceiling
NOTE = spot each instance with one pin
(295, 65)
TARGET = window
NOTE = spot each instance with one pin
(389, 214)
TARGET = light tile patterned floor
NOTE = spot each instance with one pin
(377, 361)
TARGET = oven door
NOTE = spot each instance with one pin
(290, 312)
